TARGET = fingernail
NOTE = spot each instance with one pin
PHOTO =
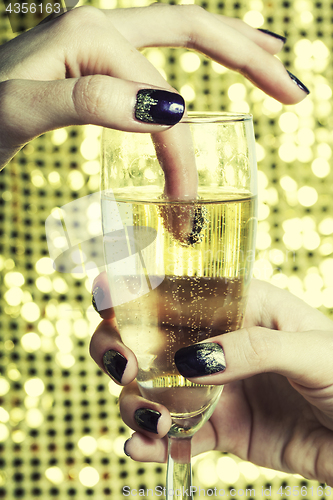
(97, 298)
(115, 364)
(200, 359)
(298, 82)
(125, 444)
(200, 222)
(275, 35)
(159, 106)
(147, 419)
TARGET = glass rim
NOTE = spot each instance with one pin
(215, 117)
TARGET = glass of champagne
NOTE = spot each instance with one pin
(179, 268)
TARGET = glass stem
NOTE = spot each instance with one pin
(179, 474)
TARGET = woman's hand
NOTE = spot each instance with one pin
(276, 409)
(84, 67)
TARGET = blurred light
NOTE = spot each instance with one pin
(320, 167)
(288, 184)
(87, 445)
(237, 92)
(313, 281)
(4, 386)
(190, 62)
(114, 389)
(320, 51)
(60, 285)
(206, 470)
(13, 373)
(64, 344)
(104, 444)
(91, 167)
(263, 211)
(65, 360)
(90, 148)
(18, 436)
(63, 327)
(37, 178)
(4, 415)
(30, 312)
(305, 136)
(260, 152)
(218, 68)
(288, 122)
(326, 226)
(262, 269)
(227, 470)
(89, 476)
(34, 387)
(306, 17)
(31, 342)
(118, 446)
(4, 433)
(327, 297)
(46, 327)
(303, 48)
(44, 284)
(54, 475)
(250, 471)
(14, 279)
(156, 57)
(80, 328)
(272, 106)
(254, 18)
(288, 152)
(324, 151)
(44, 266)
(307, 196)
(75, 180)
(311, 240)
(34, 418)
(59, 136)
(13, 296)
(188, 93)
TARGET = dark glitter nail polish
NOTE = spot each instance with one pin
(200, 221)
(200, 359)
(126, 453)
(97, 298)
(115, 364)
(275, 35)
(147, 419)
(159, 106)
(298, 83)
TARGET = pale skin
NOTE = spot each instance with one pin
(59, 74)
(276, 409)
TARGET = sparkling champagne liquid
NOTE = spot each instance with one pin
(187, 282)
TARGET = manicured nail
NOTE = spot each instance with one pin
(200, 222)
(97, 298)
(159, 106)
(115, 364)
(125, 444)
(200, 359)
(298, 83)
(275, 35)
(147, 419)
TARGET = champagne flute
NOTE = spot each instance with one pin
(179, 269)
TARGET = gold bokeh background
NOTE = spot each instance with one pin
(61, 436)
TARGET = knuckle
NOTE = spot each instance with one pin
(259, 346)
(76, 17)
(88, 97)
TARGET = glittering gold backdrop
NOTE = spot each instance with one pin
(61, 436)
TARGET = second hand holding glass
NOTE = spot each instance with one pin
(179, 269)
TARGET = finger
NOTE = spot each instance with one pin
(230, 43)
(144, 449)
(151, 419)
(101, 298)
(131, 24)
(278, 309)
(111, 355)
(247, 352)
(30, 108)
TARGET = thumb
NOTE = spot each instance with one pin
(30, 108)
(302, 357)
